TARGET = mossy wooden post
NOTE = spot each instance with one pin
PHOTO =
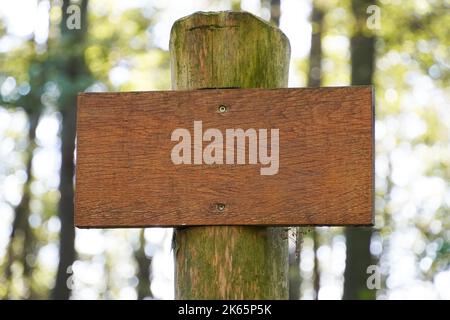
(229, 50)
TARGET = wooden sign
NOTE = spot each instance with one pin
(225, 157)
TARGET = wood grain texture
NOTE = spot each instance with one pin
(125, 176)
(218, 50)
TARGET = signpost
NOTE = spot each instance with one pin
(225, 157)
(242, 159)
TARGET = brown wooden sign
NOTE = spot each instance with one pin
(225, 157)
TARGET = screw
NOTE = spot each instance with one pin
(222, 108)
(220, 207)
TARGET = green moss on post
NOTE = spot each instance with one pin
(227, 50)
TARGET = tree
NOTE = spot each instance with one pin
(21, 243)
(73, 79)
(314, 80)
(144, 265)
(358, 238)
(27, 65)
(275, 12)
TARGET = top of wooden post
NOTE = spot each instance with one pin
(222, 19)
(228, 49)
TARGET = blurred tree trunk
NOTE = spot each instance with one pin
(22, 243)
(30, 243)
(315, 54)
(358, 238)
(294, 255)
(294, 266)
(74, 74)
(315, 80)
(236, 5)
(21, 233)
(275, 12)
(144, 264)
(316, 283)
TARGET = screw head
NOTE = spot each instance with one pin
(220, 207)
(222, 108)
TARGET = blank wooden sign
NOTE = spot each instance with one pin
(209, 157)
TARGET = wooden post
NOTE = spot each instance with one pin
(229, 50)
